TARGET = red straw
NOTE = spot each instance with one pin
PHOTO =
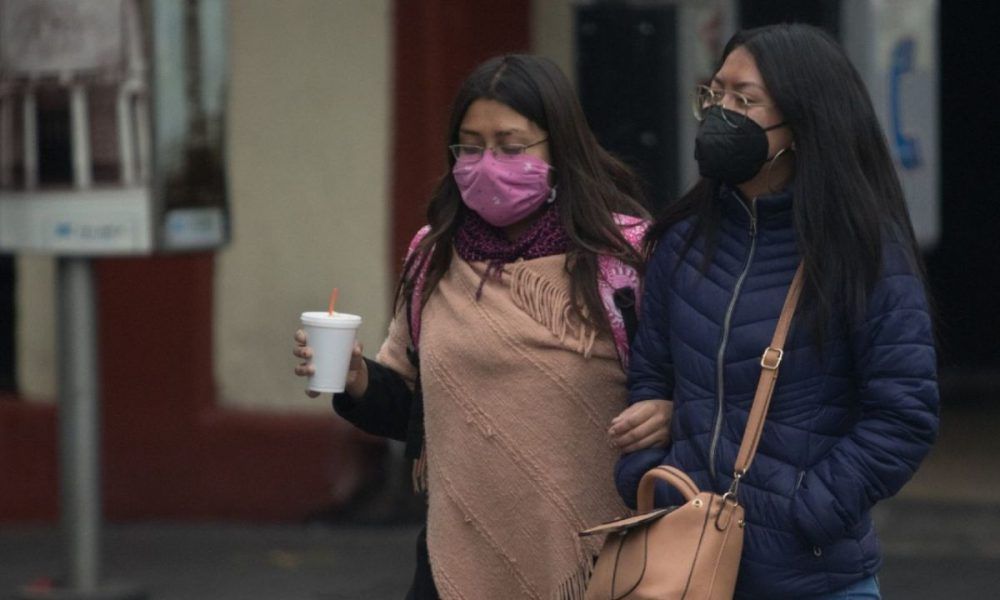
(333, 299)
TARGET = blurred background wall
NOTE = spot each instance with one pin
(309, 133)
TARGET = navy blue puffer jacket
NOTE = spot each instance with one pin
(848, 424)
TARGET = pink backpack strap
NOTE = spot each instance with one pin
(615, 275)
(413, 314)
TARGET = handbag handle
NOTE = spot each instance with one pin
(672, 475)
(769, 363)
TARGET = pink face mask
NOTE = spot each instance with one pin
(504, 192)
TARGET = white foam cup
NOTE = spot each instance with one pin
(331, 338)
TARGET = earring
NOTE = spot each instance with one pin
(770, 166)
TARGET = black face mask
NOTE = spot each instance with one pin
(729, 153)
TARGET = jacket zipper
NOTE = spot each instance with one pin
(726, 323)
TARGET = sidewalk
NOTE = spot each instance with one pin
(215, 561)
(932, 551)
(941, 539)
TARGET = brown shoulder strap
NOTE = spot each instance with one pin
(769, 363)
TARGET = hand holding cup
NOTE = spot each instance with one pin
(357, 374)
(331, 339)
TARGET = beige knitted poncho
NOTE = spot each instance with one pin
(517, 402)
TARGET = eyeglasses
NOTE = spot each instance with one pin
(473, 154)
(706, 97)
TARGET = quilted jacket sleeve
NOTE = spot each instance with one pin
(896, 374)
(650, 366)
(651, 373)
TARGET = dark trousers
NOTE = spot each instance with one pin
(422, 587)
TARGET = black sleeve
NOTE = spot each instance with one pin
(385, 408)
(625, 303)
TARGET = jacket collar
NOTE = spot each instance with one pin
(770, 209)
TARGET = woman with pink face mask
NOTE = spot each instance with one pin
(512, 401)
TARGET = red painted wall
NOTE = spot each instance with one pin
(169, 451)
(28, 474)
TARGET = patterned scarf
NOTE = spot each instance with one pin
(477, 240)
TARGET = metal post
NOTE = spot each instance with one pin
(78, 422)
(80, 452)
(79, 441)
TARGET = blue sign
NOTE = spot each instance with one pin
(907, 147)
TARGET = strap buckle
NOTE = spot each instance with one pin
(777, 358)
(735, 485)
(731, 496)
(730, 501)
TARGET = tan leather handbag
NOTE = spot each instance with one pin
(691, 551)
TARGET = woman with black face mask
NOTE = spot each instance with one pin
(795, 170)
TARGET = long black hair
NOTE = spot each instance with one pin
(848, 201)
(592, 184)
